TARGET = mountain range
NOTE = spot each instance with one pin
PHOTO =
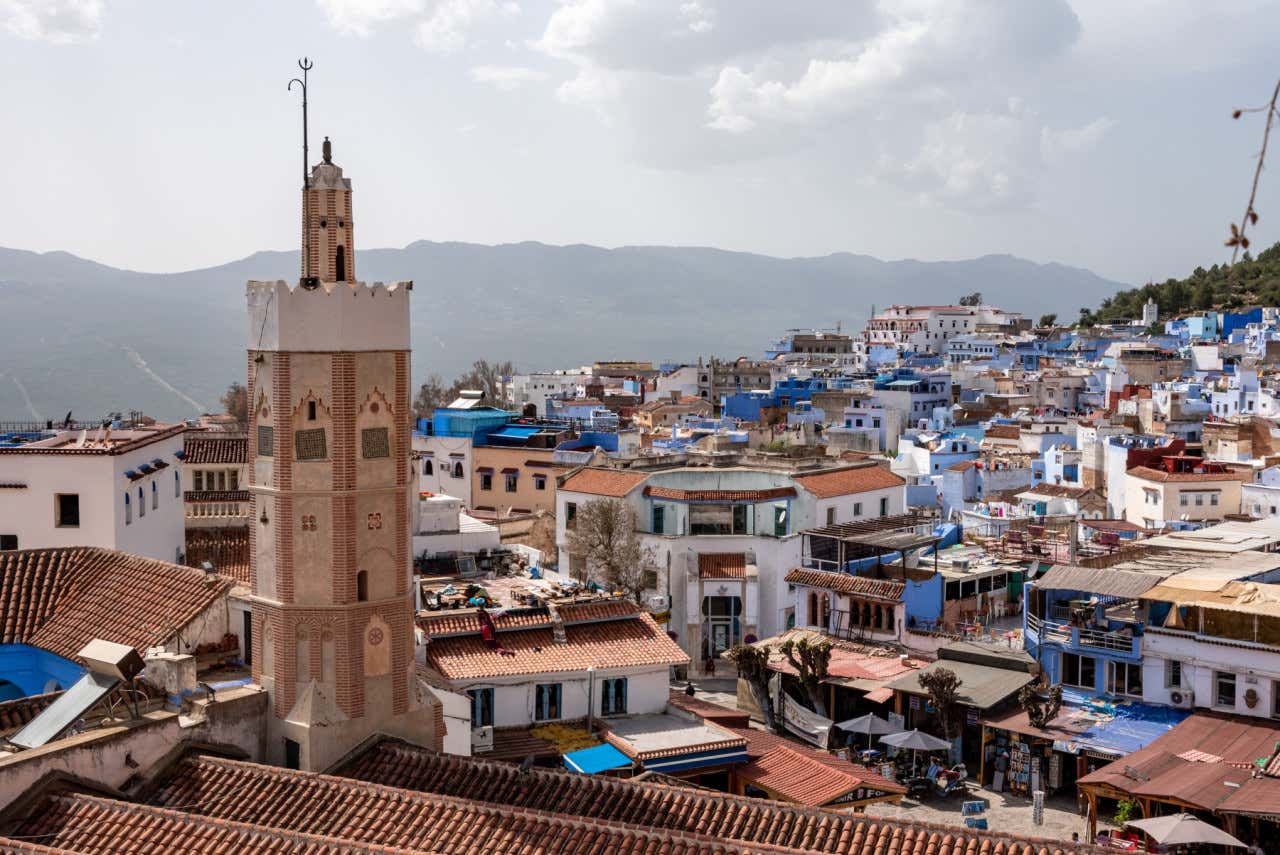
(81, 336)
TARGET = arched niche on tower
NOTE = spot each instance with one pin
(379, 566)
(377, 647)
(375, 440)
(312, 442)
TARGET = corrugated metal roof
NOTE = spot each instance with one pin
(981, 686)
(1107, 581)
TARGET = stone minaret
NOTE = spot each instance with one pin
(329, 475)
(328, 235)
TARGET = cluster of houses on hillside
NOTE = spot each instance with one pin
(339, 585)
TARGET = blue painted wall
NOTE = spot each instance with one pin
(31, 670)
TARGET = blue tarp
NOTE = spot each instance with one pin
(515, 432)
(599, 759)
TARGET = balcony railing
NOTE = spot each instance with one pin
(1080, 637)
(216, 510)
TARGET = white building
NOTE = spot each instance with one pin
(929, 329)
(561, 654)
(1262, 497)
(441, 525)
(536, 387)
(444, 465)
(120, 489)
(724, 539)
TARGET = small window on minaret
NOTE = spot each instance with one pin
(311, 411)
(362, 585)
(340, 263)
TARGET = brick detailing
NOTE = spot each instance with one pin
(282, 522)
(282, 404)
(344, 550)
(404, 430)
(343, 374)
(401, 623)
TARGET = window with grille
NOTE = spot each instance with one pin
(613, 696)
(266, 441)
(310, 444)
(374, 442)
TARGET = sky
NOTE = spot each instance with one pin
(160, 136)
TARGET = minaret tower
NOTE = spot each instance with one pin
(330, 481)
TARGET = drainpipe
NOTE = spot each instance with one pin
(591, 695)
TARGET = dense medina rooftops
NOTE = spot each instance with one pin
(101, 440)
(215, 448)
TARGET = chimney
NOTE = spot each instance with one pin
(557, 625)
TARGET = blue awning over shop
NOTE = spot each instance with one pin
(589, 761)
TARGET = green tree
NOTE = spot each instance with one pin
(489, 378)
(943, 687)
(1048, 320)
(432, 394)
(1204, 295)
(235, 402)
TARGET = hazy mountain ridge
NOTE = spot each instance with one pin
(74, 333)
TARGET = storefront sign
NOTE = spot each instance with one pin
(915, 702)
(804, 723)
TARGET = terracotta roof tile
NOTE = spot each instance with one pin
(1002, 432)
(211, 449)
(598, 799)
(19, 711)
(708, 711)
(604, 482)
(1146, 473)
(720, 495)
(60, 599)
(847, 583)
(722, 565)
(801, 774)
(225, 547)
(611, 644)
(843, 482)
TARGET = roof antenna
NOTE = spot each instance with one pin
(306, 65)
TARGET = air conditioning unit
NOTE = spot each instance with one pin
(1182, 698)
(960, 564)
(481, 739)
(659, 603)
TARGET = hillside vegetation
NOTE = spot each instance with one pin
(1249, 282)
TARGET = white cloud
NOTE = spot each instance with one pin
(54, 21)
(506, 77)
(1056, 146)
(440, 26)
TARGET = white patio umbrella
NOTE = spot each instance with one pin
(1183, 828)
(916, 741)
(870, 724)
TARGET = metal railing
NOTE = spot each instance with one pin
(1076, 636)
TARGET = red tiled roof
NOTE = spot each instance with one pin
(84, 823)
(225, 547)
(685, 402)
(19, 711)
(591, 611)
(722, 565)
(215, 496)
(847, 583)
(210, 449)
(747, 824)
(804, 775)
(720, 495)
(467, 622)
(842, 482)
(1146, 473)
(61, 599)
(963, 466)
(1002, 432)
(610, 644)
(708, 711)
(604, 482)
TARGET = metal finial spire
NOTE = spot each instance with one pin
(306, 65)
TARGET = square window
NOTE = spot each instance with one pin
(8, 542)
(374, 443)
(539, 482)
(486, 481)
(310, 444)
(67, 510)
(1224, 689)
(266, 441)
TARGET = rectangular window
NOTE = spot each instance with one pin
(546, 705)
(266, 440)
(197, 480)
(570, 511)
(1213, 499)
(1199, 499)
(375, 443)
(1079, 671)
(613, 696)
(831, 516)
(1275, 698)
(884, 507)
(510, 481)
(740, 519)
(486, 480)
(233, 479)
(481, 707)
(310, 444)
(1182, 500)
(1173, 674)
(8, 542)
(857, 509)
(539, 482)
(1224, 689)
(222, 480)
(155, 496)
(66, 510)
(658, 513)
(779, 521)
(1126, 679)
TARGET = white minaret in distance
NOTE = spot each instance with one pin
(330, 480)
(1150, 312)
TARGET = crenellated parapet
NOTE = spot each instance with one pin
(334, 316)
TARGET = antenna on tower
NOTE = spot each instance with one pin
(306, 65)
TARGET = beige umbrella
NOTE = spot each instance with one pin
(1183, 828)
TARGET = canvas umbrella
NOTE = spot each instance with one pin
(1183, 829)
(916, 741)
(870, 724)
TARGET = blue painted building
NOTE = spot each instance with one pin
(27, 670)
